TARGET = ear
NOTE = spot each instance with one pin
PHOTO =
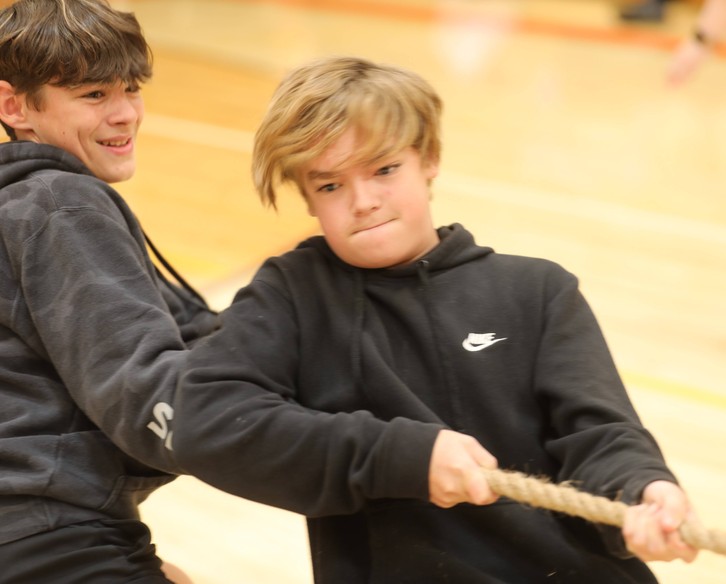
(13, 107)
(431, 168)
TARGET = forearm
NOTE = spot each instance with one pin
(253, 443)
(598, 438)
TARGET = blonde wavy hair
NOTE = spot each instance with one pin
(389, 108)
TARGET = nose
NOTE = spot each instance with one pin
(365, 197)
(126, 109)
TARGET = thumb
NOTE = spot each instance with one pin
(482, 456)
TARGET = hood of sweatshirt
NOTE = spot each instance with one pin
(20, 159)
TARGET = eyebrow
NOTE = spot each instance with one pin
(318, 174)
(387, 158)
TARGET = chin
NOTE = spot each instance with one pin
(116, 175)
(377, 263)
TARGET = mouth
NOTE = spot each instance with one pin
(372, 227)
(121, 144)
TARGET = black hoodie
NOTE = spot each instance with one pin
(501, 347)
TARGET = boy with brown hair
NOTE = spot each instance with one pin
(92, 335)
(386, 313)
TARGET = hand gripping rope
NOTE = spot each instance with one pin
(566, 499)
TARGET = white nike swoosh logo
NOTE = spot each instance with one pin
(469, 346)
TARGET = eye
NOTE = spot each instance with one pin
(328, 188)
(388, 169)
(94, 94)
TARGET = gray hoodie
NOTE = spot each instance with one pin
(91, 339)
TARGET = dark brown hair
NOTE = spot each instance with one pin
(68, 43)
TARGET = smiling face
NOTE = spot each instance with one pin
(373, 214)
(97, 123)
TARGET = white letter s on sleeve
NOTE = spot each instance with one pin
(163, 413)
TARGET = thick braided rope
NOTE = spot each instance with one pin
(565, 499)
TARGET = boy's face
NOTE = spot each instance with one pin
(372, 215)
(97, 123)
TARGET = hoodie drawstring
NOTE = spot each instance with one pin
(182, 282)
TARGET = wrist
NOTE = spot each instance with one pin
(702, 38)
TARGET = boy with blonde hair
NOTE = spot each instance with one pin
(386, 313)
(92, 335)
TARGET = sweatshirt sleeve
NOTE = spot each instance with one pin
(597, 435)
(100, 318)
(239, 428)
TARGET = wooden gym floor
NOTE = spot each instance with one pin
(561, 141)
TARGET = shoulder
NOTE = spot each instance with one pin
(304, 270)
(529, 280)
(311, 256)
(527, 267)
(51, 184)
(49, 177)
(56, 190)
